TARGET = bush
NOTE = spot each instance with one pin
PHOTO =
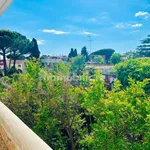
(115, 58)
(137, 69)
(86, 117)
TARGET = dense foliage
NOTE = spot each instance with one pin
(16, 46)
(73, 53)
(78, 65)
(115, 58)
(104, 52)
(144, 48)
(34, 50)
(137, 69)
(99, 59)
(84, 53)
(83, 117)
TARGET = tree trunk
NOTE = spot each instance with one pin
(9, 63)
(73, 147)
(73, 144)
(4, 62)
(14, 61)
(14, 64)
(10, 60)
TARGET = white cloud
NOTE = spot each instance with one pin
(57, 32)
(122, 25)
(88, 33)
(92, 20)
(128, 25)
(40, 42)
(75, 32)
(136, 25)
(143, 14)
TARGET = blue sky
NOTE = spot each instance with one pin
(59, 25)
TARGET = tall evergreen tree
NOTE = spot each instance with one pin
(75, 53)
(71, 54)
(84, 52)
(34, 51)
(144, 48)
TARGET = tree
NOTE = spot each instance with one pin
(14, 45)
(5, 45)
(34, 50)
(137, 69)
(75, 53)
(19, 48)
(144, 48)
(104, 52)
(61, 68)
(84, 117)
(115, 58)
(71, 54)
(78, 64)
(121, 119)
(84, 52)
(49, 106)
(98, 59)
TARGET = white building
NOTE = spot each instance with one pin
(48, 61)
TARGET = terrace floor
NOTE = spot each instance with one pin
(2, 144)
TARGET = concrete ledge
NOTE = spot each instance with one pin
(4, 4)
(8, 142)
(16, 134)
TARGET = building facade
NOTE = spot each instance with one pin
(1, 65)
(48, 61)
(20, 64)
(108, 74)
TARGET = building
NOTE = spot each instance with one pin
(1, 65)
(48, 61)
(107, 73)
(20, 64)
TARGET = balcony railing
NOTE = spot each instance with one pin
(16, 135)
